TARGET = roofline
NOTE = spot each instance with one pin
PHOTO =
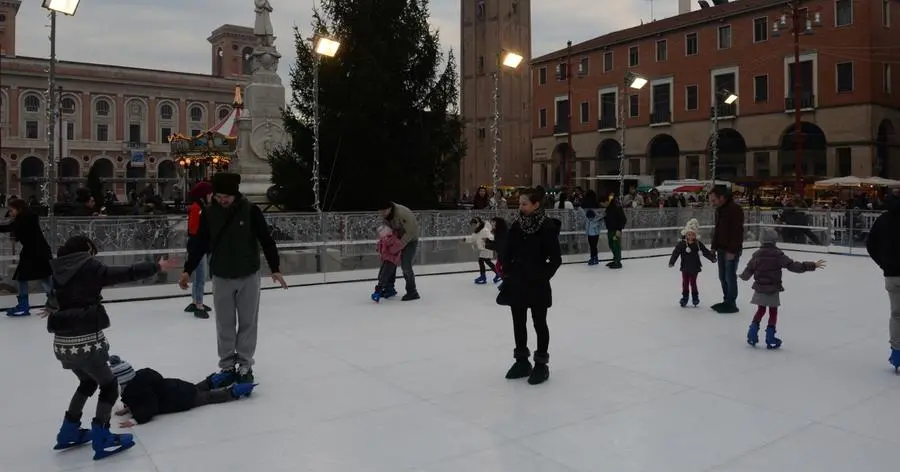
(650, 29)
(113, 66)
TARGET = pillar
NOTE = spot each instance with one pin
(749, 164)
(831, 162)
(682, 166)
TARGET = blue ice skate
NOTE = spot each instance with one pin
(753, 334)
(481, 280)
(376, 296)
(771, 341)
(497, 278)
(895, 360)
(106, 444)
(70, 435)
(239, 390)
(22, 308)
(684, 300)
(221, 379)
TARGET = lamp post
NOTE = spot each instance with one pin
(506, 60)
(66, 7)
(630, 82)
(324, 47)
(728, 98)
(800, 25)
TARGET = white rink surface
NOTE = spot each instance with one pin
(637, 383)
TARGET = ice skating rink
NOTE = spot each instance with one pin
(637, 383)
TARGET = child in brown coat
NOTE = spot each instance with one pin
(765, 267)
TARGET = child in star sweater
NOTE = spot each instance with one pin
(766, 266)
(689, 250)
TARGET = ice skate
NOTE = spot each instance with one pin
(695, 298)
(389, 293)
(497, 278)
(684, 300)
(481, 280)
(244, 376)
(21, 309)
(376, 296)
(895, 360)
(105, 443)
(771, 341)
(71, 434)
(220, 379)
(239, 390)
(753, 334)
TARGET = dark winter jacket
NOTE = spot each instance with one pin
(35, 257)
(237, 232)
(690, 256)
(615, 218)
(529, 262)
(766, 265)
(149, 394)
(498, 244)
(883, 244)
(728, 235)
(77, 316)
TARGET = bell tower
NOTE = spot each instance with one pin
(8, 11)
(231, 50)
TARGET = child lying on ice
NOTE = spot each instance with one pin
(146, 393)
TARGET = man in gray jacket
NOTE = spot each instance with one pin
(402, 220)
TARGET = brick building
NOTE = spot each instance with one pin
(849, 70)
(108, 113)
(488, 27)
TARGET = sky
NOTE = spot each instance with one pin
(171, 34)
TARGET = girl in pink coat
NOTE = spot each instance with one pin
(389, 247)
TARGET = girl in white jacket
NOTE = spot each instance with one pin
(481, 233)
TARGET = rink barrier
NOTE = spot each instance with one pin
(169, 289)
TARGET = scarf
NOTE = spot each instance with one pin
(530, 224)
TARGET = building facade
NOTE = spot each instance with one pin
(488, 28)
(114, 118)
(850, 96)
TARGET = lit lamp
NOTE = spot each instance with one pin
(323, 47)
(728, 98)
(633, 82)
(507, 60)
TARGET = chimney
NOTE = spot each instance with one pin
(684, 6)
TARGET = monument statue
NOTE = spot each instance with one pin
(263, 27)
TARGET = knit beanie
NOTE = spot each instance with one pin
(692, 226)
(226, 183)
(768, 236)
(201, 190)
(122, 370)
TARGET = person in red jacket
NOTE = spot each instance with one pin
(200, 194)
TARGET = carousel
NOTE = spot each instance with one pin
(211, 151)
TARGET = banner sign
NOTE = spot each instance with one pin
(137, 158)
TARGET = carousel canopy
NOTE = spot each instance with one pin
(228, 126)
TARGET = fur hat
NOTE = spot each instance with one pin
(122, 370)
(226, 183)
(692, 226)
(768, 236)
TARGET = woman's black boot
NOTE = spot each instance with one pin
(522, 367)
(540, 373)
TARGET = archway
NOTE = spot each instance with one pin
(815, 151)
(69, 176)
(168, 177)
(884, 165)
(31, 174)
(132, 173)
(731, 154)
(662, 158)
(563, 159)
(103, 168)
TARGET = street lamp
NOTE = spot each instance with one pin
(631, 81)
(801, 24)
(323, 47)
(508, 60)
(66, 7)
(728, 98)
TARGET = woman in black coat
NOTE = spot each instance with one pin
(529, 260)
(35, 256)
(615, 223)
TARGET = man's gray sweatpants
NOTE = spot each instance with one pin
(892, 284)
(236, 302)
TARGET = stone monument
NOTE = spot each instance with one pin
(260, 127)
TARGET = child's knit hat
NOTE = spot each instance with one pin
(768, 236)
(692, 226)
(122, 370)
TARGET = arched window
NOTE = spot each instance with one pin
(102, 107)
(166, 112)
(246, 60)
(68, 106)
(32, 104)
(196, 113)
(223, 112)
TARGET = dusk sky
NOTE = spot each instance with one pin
(168, 34)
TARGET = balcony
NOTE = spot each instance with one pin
(606, 123)
(725, 110)
(661, 116)
(807, 102)
(561, 128)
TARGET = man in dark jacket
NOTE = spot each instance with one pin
(232, 231)
(727, 242)
(615, 222)
(884, 248)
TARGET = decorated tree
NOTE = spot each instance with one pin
(388, 124)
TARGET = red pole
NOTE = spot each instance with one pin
(798, 26)
(571, 172)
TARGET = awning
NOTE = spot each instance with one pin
(688, 189)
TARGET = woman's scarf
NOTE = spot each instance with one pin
(530, 224)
